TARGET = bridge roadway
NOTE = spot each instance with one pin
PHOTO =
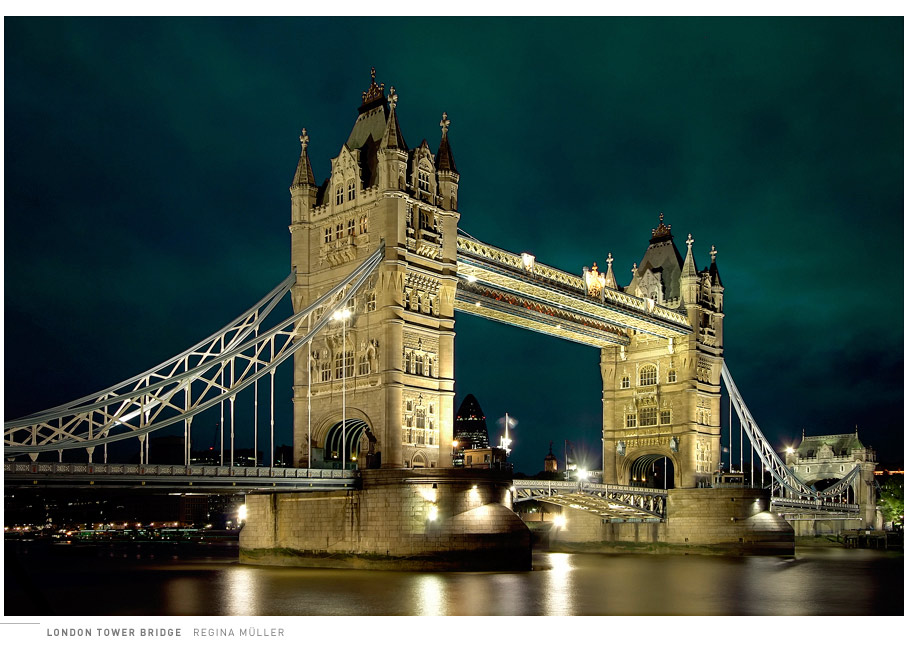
(616, 503)
(194, 478)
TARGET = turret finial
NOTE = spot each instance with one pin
(392, 99)
(373, 74)
(609, 259)
(690, 241)
(304, 139)
(375, 91)
(713, 253)
(634, 269)
(445, 123)
(661, 217)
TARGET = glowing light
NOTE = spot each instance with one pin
(342, 314)
(433, 512)
(582, 474)
(560, 521)
(478, 304)
(241, 513)
(790, 450)
(471, 278)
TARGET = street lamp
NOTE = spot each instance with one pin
(342, 315)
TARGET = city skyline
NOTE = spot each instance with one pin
(147, 195)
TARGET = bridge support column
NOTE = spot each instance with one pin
(90, 450)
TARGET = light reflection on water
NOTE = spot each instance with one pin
(821, 581)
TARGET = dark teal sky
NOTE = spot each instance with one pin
(147, 165)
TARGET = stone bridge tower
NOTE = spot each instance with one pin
(661, 397)
(395, 354)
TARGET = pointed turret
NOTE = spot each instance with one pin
(690, 278)
(448, 176)
(659, 274)
(393, 139)
(714, 269)
(303, 190)
(303, 175)
(609, 274)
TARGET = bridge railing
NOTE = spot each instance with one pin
(115, 469)
(593, 487)
(780, 503)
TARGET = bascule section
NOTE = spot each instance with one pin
(661, 395)
(385, 359)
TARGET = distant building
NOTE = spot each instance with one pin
(487, 458)
(470, 431)
(551, 461)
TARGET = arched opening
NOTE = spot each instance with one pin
(419, 461)
(360, 445)
(653, 471)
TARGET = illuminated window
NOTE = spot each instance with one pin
(351, 190)
(339, 196)
(625, 382)
(327, 234)
(648, 416)
(631, 420)
(666, 417)
(363, 225)
(672, 376)
(351, 227)
(648, 375)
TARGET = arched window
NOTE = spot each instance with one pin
(326, 371)
(418, 367)
(407, 366)
(648, 375)
(351, 190)
(339, 231)
(417, 304)
(429, 368)
(351, 227)
(339, 195)
(364, 365)
(363, 225)
(327, 234)
(340, 369)
(370, 302)
(424, 181)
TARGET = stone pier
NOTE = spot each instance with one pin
(399, 519)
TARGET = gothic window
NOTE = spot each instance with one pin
(351, 227)
(631, 420)
(417, 304)
(648, 375)
(409, 405)
(424, 181)
(326, 371)
(418, 366)
(339, 231)
(429, 369)
(370, 302)
(340, 368)
(672, 376)
(625, 382)
(364, 365)
(327, 234)
(431, 304)
(351, 190)
(363, 225)
(407, 362)
(339, 196)
(666, 417)
(420, 417)
(407, 299)
(648, 416)
(425, 221)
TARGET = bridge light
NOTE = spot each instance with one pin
(790, 450)
(560, 521)
(433, 512)
(471, 278)
(341, 314)
(241, 513)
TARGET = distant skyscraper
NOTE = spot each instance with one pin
(470, 431)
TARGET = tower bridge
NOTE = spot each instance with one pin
(379, 267)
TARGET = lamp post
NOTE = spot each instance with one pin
(342, 315)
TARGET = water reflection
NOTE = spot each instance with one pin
(824, 582)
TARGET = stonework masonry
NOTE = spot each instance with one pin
(727, 519)
(414, 519)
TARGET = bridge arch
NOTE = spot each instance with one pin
(638, 470)
(360, 434)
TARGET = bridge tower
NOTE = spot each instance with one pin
(392, 361)
(660, 396)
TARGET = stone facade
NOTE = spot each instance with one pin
(428, 518)
(396, 350)
(660, 397)
(732, 519)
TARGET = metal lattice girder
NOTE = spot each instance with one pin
(188, 384)
(782, 476)
(794, 506)
(486, 267)
(613, 501)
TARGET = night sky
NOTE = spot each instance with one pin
(147, 167)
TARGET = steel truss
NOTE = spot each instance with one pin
(783, 478)
(615, 502)
(202, 377)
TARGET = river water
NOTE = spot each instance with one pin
(171, 580)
